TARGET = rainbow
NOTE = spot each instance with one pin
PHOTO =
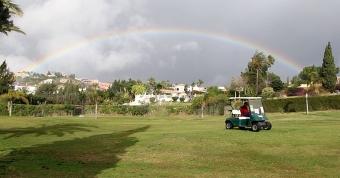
(162, 31)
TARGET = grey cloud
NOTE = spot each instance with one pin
(297, 30)
(191, 46)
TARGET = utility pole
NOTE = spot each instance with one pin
(306, 103)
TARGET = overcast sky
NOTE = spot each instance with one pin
(187, 40)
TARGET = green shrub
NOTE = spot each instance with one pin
(175, 110)
(196, 102)
(42, 110)
(174, 98)
(69, 108)
(3, 107)
(221, 111)
(181, 99)
(267, 92)
(139, 110)
(298, 104)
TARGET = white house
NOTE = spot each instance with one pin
(166, 96)
(145, 99)
(85, 80)
(47, 81)
(51, 75)
(28, 88)
(222, 88)
(197, 88)
(179, 88)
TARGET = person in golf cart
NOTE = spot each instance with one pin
(244, 110)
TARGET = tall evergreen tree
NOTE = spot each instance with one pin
(277, 85)
(328, 70)
(7, 78)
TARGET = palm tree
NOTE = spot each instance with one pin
(13, 8)
(164, 84)
(269, 62)
(205, 101)
(200, 82)
(257, 61)
(11, 96)
(7, 9)
(95, 87)
(261, 63)
(313, 77)
(192, 91)
(152, 83)
(92, 94)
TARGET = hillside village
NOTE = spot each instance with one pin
(31, 81)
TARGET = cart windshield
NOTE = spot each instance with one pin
(255, 106)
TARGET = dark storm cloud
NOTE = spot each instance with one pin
(297, 30)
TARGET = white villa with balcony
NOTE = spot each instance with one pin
(30, 89)
(166, 96)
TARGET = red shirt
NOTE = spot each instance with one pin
(244, 110)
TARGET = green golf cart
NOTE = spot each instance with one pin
(256, 119)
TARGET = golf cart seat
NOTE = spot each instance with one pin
(244, 117)
(236, 113)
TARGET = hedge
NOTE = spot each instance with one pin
(298, 104)
(38, 110)
(117, 110)
(294, 104)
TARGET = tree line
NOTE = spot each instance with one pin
(256, 80)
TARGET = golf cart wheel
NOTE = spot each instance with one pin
(255, 127)
(268, 126)
(229, 125)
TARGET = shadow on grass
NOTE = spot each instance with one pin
(57, 130)
(85, 157)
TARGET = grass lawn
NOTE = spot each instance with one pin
(298, 145)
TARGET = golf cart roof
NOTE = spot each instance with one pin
(245, 98)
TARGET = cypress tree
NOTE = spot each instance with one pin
(7, 78)
(328, 70)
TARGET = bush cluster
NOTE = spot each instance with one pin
(295, 91)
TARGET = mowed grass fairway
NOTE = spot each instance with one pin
(298, 145)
